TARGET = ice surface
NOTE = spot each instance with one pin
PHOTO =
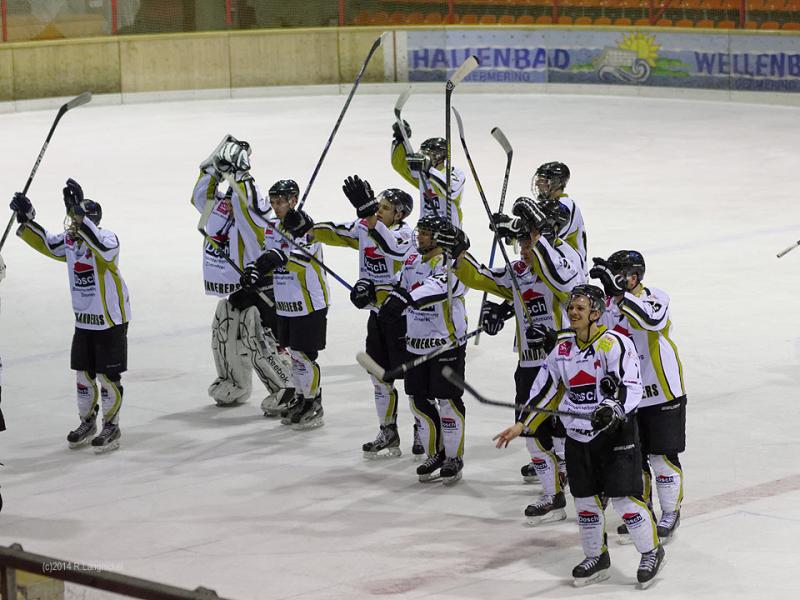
(227, 499)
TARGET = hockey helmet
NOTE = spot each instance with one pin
(627, 262)
(595, 295)
(401, 200)
(92, 210)
(435, 149)
(285, 188)
(549, 178)
(433, 224)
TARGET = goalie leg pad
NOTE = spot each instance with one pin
(262, 352)
(87, 394)
(234, 373)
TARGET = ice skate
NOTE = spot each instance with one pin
(417, 449)
(591, 570)
(387, 444)
(107, 440)
(451, 470)
(81, 436)
(529, 473)
(429, 470)
(624, 537)
(309, 416)
(651, 564)
(667, 525)
(295, 403)
(547, 509)
(273, 404)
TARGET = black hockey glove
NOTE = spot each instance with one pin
(418, 163)
(361, 196)
(396, 302)
(452, 240)
(250, 278)
(609, 387)
(507, 227)
(494, 315)
(613, 285)
(73, 196)
(540, 337)
(609, 415)
(21, 205)
(233, 157)
(271, 260)
(297, 222)
(531, 213)
(397, 134)
(363, 293)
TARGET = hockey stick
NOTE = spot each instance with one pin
(375, 45)
(503, 141)
(511, 272)
(398, 108)
(84, 98)
(788, 249)
(373, 368)
(453, 377)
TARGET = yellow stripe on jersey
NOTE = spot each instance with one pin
(36, 240)
(326, 233)
(469, 273)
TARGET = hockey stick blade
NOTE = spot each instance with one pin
(501, 138)
(788, 249)
(401, 102)
(84, 98)
(370, 366)
(467, 67)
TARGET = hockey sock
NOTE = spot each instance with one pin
(647, 482)
(87, 394)
(427, 417)
(385, 401)
(305, 373)
(639, 520)
(451, 419)
(669, 481)
(546, 466)
(111, 393)
(262, 352)
(234, 373)
(592, 525)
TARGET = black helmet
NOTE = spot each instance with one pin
(93, 210)
(285, 188)
(627, 262)
(435, 149)
(596, 296)
(402, 200)
(434, 224)
(555, 173)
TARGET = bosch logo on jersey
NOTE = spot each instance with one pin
(539, 464)
(665, 479)
(448, 423)
(535, 302)
(83, 390)
(632, 519)
(83, 275)
(582, 388)
(375, 262)
(588, 518)
(219, 247)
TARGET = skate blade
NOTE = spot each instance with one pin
(221, 404)
(385, 453)
(530, 479)
(667, 538)
(110, 447)
(451, 480)
(418, 457)
(78, 445)
(643, 585)
(596, 578)
(430, 477)
(309, 425)
(558, 514)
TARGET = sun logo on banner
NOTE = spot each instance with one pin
(644, 44)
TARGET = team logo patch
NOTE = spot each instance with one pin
(535, 302)
(520, 267)
(564, 348)
(83, 390)
(632, 519)
(83, 275)
(375, 261)
(219, 248)
(539, 464)
(582, 388)
(606, 343)
(411, 258)
(665, 479)
(588, 518)
(448, 423)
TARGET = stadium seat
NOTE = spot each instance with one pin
(726, 24)
(469, 20)
(602, 21)
(583, 21)
(642, 22)
(750, 25)
(684, 23)
(791, 26)
(704, 24)
(544, 20)
(770, 25)
(415, 18)
(434, 18)
(664, 23)
(488, 20)
(525, 20)
(565, 20)
(379, 18)
(625, 21)
(506, 20)
(397, 18)
(362, 18)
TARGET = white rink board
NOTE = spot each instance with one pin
(229, 500)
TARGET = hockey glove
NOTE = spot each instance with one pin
(507, 227)
(452, 240)
(418, 163)
(233, 157)
(397, 134)
(613, 285)
(608, 387)
(531, 213)
(250, 278)
(609, 415)
(363, 293)
(494, 315)
(73, 196)
(297, 222)
(540, 337)
(361, 196)
(396, 303)
(21, 205)
(271, 260)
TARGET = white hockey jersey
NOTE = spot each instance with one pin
(432, 199)
(645, 318)
(99, 295)
(545, 288)
(301, 286)
(432, 322)
(382, 250)
(578, 368)
(574, 231)
(236, 226)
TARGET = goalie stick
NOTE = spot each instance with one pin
(373, 368)
(453, 377)
(375, 45)
(501, 138)
(84, 98)
(788, 249)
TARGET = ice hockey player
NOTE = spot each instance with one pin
(548, 183)
(301, 300)
(102, 309)
(430, 324)
(242, 332)
(549, 268)
(599, 370)
(2, 420)
(383, 240)
(643, 314)
(426, 170)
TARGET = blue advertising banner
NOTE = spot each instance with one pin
(627, 57)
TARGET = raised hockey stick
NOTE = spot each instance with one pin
(453, 377)
(788, 249)
(511, 272)
(84, 98)
(373, 368)
(501, 138)
(398, 108)
(375, 45)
